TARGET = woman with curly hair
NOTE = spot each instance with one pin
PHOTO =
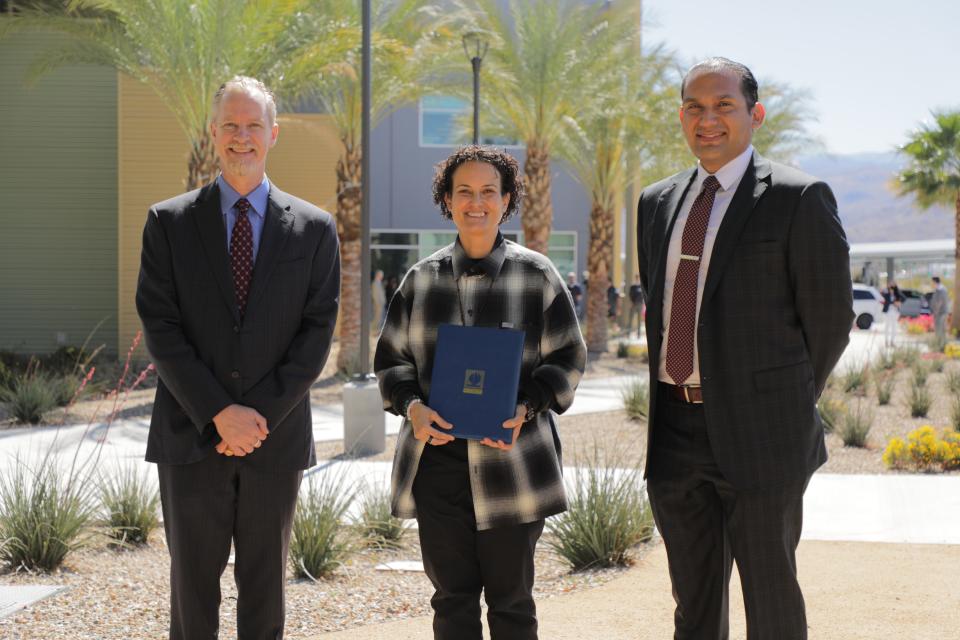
(480, 505)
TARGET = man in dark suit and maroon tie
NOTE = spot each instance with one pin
(749, 308)
(238, 295)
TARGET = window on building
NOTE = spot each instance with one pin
(442, 122)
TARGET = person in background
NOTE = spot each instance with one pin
(613, 305)
(576, 292)
(892, 299)
(378, 295)
(939, 308)
(636, 305)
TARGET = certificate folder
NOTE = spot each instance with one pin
(476, 372)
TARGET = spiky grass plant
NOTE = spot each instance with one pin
(831, 409)
(920, 371)
(46, 512)
(608, 514)
(377, 524)
(636, 398)
(884, 388)
(855, 425)
(321, 541)
(919, 400)
(130, 502)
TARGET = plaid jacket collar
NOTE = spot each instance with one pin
(490, 264)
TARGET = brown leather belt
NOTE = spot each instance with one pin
(688, 394)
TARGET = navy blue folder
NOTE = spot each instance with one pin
(476, 372)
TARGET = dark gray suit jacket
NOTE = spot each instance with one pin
(775, 317)
(206, 356)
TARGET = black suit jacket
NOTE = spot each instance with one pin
(208, 357)
(774, 319)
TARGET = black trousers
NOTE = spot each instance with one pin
(208, 504)
(707, 524)
(461, 561)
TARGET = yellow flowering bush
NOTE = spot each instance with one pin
(924, 450)
(637, 352)
(952, 350)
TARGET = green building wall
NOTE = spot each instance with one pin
(58, 203)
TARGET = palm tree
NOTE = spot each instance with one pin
(545, 63)
(933, 176)
(413, 43)
(184, 50)
(623, 123)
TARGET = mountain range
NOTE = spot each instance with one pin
(870, 209)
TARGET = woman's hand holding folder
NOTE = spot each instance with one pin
(423, 419)
(513, 423)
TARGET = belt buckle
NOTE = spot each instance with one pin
(686, 394)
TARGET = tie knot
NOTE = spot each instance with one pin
(711, 184)
(243, 205)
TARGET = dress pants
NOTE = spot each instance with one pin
(207, 504)
(707, 524)
(461, 561)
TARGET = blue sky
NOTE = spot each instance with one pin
(874, 69)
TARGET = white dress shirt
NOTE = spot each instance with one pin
(729, 177)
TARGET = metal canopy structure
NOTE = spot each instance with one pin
(927, 250)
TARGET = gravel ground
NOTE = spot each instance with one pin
(124, 595)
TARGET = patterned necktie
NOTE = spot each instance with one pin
(241, 254)
(683, 309)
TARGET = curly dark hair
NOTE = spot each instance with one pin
(506, 165)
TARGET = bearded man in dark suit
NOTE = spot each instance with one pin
(238, 295)
(749, 308)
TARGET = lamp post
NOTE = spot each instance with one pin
(475, 46)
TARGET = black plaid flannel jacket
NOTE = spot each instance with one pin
(509, 487)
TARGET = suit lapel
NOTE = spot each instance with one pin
(276, 230)
(668, 206)
(213, 236)
(754, 182)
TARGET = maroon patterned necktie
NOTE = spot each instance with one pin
(241, 254)
(683, 309)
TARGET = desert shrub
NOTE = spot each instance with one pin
(608, 515)
(955, 412)
(378, 526)
(46, 513)
(321, 540)
(854, 379)
(919, 372)
(30, 396)
(636, 398)
(907, 355)
(887, 360)
(936, 365)
(623, 349)
(953, 382)
(919, 400)
(637, 352)
(884, 388)
(130, 502)
(952, 350)
(855, 425)
(831, 409)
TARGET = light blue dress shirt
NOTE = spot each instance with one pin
(257, 213)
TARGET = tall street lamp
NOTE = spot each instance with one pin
(475, 46)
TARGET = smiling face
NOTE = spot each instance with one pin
(243, 132)
(477, 205)
(716, 121)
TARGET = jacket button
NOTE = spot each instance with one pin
(234, 374)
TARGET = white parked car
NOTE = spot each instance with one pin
(867, 305)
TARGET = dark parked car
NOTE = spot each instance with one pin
(916, 303)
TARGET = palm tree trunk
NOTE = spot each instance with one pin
(349, 195)
(537, 218)
(955, 323)
(599, 262)
(202, 167)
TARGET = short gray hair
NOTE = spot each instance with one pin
(248, 84)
